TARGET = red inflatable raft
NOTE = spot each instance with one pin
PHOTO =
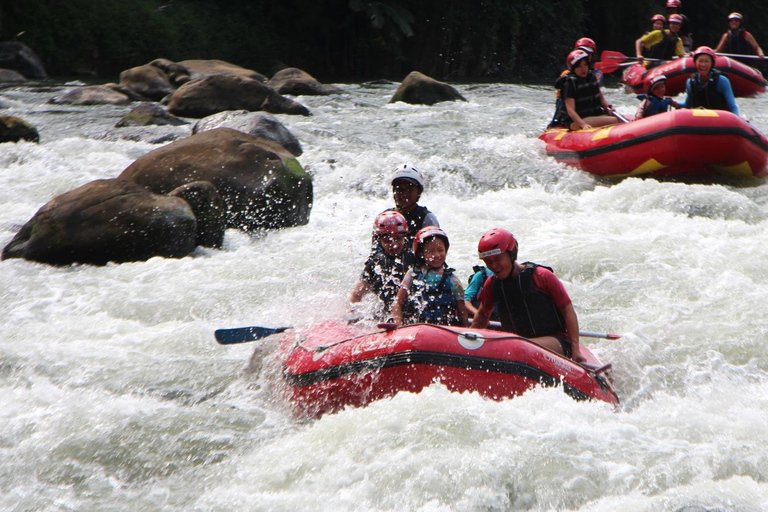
(333, 365)
(679, 144)
(745, 80)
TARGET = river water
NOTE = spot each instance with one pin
(115, 396)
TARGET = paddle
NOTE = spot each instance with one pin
(244, 334)
(608, 67)
(740, 56)
(623, 120)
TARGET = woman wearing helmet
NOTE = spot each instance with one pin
(531, 300)
(676, 7)
(387, 264)
(583, 104)
(430, 293)
(708, 88)
(661, 45)
(737, 40)
(653, 101)
(407, 187)
(657, 22)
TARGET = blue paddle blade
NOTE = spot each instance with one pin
(244, 334)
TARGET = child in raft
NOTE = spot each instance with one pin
(387, 264)
(654, 102)
(430, 293)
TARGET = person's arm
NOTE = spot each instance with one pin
(721, 44)
(572, 329)
(397, 309)
(688, 95)
(360, 289)
(724, 88)
(462, 310)
(639, 49)
(482, 317)
(751, 40)
(679, 49)
(641, 109)
(570, 107)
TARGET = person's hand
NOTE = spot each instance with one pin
(640, 60)
(584, 126)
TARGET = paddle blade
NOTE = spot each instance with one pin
(609, 55)
(245, 334)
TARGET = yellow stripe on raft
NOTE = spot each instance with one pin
(742, 170)
(602, 133)
(649, 166)
(702, 112)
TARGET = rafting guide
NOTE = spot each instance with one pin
(407, 187)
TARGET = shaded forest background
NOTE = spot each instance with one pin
(347, 40)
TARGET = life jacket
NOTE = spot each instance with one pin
(523, 308)
(586, 97)
(664, 49)
(652, 105)
(737, 43)
(431, 304)
(485, 273)
(384, 273)
(415, 219)
(705, 94)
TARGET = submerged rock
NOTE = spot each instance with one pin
(419, 89)
(14, 129)
(255, 124)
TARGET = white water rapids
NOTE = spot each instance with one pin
(115, 397)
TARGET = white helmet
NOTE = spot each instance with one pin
(408, 172)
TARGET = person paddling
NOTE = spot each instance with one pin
(407, 187)
(430, 292)
(653, 101)
(531, 300)
(738, 41)
(708, 88)
(387, 264)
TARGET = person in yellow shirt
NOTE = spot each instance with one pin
(661, 45)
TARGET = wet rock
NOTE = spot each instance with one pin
(260, 182)
(103, 221)
(19, 57)
(9, 75)
(92, 95)
(148, 81)
(255, 124)
(218, 93)
(209, 210)
(296, 82)
(146, 114)
(14, 129)
(419, 89)
(205, 68)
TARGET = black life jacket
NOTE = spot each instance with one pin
(705, 94)
(385, 273)
(415, 220)
(737, 43)
(431, 304)
(664, 49)
(586, 97)
(523, 308)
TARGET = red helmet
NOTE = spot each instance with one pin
(575, 57)
(496, 241)
(675, 18)
(651, 83)
(705, 50)
(426, 233)
(586, 44)
(674, 3)
(390, 222)
(736, 16)
(658, 17)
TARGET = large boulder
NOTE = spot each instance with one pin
(297, 82)
(204, 68)
(260, 182)
(14, 129)
(103, 221)
(146, 114)
(419, 89)
(213, 94)
(255, 124)
(9, 75)
(92, 95)
(209, 210)
(148, 81)
(19, 57)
